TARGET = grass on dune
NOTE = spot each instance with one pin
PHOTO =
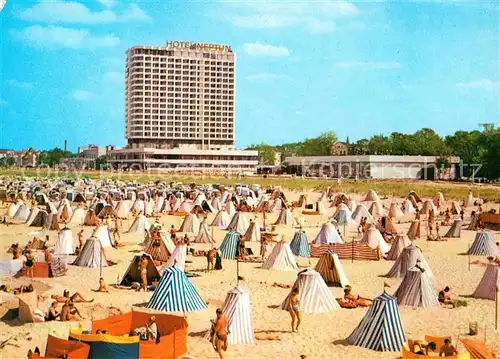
(450, 190)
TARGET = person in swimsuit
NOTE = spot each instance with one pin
(52, 314)
(294, 309)
(220, 333)
(211, 259)
(30, 263)
(447, 349)
(80, 238)
(116, 231)
(143, 269)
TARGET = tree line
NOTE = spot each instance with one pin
(473, 147)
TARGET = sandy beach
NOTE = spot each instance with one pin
(321, 335)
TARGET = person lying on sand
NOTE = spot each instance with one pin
(75, 298)
(423, 347)
(444, 296)
(359, 301)
(279, 285)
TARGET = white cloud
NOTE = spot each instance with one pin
(82, 95)
(71, 12)
(62, 37)
(107, 3)
(483, 84)
(314, 16)
(113, 78)
(256, 49)
(20, 84)
(265, 76)
(368, 65)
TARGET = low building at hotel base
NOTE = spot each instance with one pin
(375, 167)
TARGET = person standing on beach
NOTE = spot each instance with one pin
(116, 230)
(80, 238)
(294, 309)
(220, 333)
(143, 269)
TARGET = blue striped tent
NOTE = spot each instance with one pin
(300, 245)
(176, 294)
(381, 328)
(484, 245)
(229, 246)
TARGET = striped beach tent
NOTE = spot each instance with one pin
(239, 223)
(229, 246)
(343, 217)
(285, 218)
(489, 282)
(238, 311)
(414, 231)
(328, 235)
(177, 259)
(176, 294)
(330, 268)
(300, 245)
(91, 254)
(281, 258)
(342, 207)
(407, 260)
(204, 235)
(190, 224)
(374, 239)
(398, 244)
(140, 225)
(416, 290)
(161, 250)
(314, 294)
(484, 245)
(381, 328)
(253, 231)
(221, 220)
(455, 229)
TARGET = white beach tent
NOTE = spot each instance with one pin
(239, 223)
(64, 244)
(285, 218)
(328, 235)
(253, 232)
(190, 224)
(102, 233)
(361, 211)
(408, 207)
(395, 211)
(122, 209)
(314, 294)
(22, 213)
(177, 259)
(376, 209)
(238, 311)
(374, 239)
(281, 258)
(222, 219)
(13, 207)
(78, 217)
(204, 235)
(372, 196)
(140, 225)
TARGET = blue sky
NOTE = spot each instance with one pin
(357, 68)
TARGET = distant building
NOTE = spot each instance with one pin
(87, 156)
(340, 149)
(375, 167)
(28, 158)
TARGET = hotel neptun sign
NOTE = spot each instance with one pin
(198, 46)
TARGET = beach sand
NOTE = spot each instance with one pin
(321, 335)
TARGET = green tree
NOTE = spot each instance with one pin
(101, 163)
(360, 147)
(379, 145)
(7, 161)
(429, 143)
(52, 157)
(267, 153)
(489, 143)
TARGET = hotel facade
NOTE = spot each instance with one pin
(180, 110)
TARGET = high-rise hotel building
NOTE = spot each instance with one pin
(180, 109)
